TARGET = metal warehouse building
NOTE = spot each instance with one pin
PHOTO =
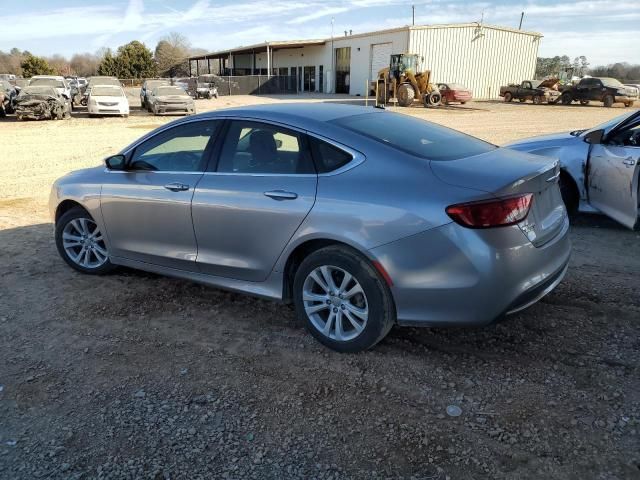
(481, 57)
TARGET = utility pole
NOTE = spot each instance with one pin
(521, 17)
(333, 56)
(413, 14)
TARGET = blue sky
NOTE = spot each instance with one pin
(604, 30)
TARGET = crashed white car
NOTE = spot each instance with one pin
(599, 167)
(107, 100)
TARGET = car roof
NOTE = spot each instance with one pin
(301, 111)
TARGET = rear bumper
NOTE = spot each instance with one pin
(454, 276)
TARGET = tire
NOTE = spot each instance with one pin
(566, 99)
(374, 298)
(406, 95)
(71, 225)
(569, 192)
(608, 101)
(537, 100)
(508, 96)
(584, 102)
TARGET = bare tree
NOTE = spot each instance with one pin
(171, 55)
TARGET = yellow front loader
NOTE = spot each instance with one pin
(400, 82)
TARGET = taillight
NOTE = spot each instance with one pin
(491, 213)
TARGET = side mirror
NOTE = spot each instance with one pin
(115, 162)
(595, 137)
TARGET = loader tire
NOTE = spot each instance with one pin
(406, 95)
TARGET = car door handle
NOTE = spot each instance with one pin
(281, 195)
(176, 187)
(629, 161)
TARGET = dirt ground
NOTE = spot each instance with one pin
(134, 375)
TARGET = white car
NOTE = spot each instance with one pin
(107, 100)
(56, 81)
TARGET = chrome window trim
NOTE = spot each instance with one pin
(189, 172)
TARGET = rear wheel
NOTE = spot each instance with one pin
(508, 97)
(608, 101)
(81, 244)
(342, 299)
(406, 94)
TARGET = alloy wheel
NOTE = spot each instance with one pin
(84, 244)
(335, 303)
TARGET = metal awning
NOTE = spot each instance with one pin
(259, 48)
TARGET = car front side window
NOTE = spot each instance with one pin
(261, 148)
(180, 149)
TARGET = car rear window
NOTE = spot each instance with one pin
(414, 136)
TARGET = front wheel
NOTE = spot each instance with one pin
(81, 244)
(405, 94)
(566, 99)
(342, 300)
(508, 97)
(537, 100)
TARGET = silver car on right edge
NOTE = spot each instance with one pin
(360, 217)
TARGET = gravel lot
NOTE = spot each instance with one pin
(139, 376)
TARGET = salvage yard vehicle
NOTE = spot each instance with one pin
(93, 81)
(56, 81)
(147, 88)
(454, 92)
(362, 218)
(605, 90)
(42, 103)
(107, 100)
(599, 167)
(402, 83)
(170, 99)
(206, 87)
(538, 91)
(8, 94)
(633, 92)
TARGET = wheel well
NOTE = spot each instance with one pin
(568, 180)
(297, 256)
(65, 206)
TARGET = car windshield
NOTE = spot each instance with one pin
(414, 136)
(613, 122)
(38, 90)
(49, 82)
(611, 82)
(106, 91)
(169, 91)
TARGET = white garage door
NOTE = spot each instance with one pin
(380, 54)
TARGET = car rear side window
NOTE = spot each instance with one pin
(261, 148)
(327, 157)
(416, 137)
(179, 149)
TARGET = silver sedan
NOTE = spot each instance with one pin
(360, 217)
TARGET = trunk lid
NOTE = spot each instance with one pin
(504, 173)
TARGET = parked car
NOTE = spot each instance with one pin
(146, 89)
(605, 90)
(42, 103)
(170, 99)
(538, 91)
(599, 166)
(454, 92)
(8, 95)
(91, 82)
(108, 100)
(633, 92)
(362, 218)
(56, 81)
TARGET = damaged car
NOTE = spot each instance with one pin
(8, 95)
(599, 166)
(42, 103)
(168, 99)
(538, 91)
